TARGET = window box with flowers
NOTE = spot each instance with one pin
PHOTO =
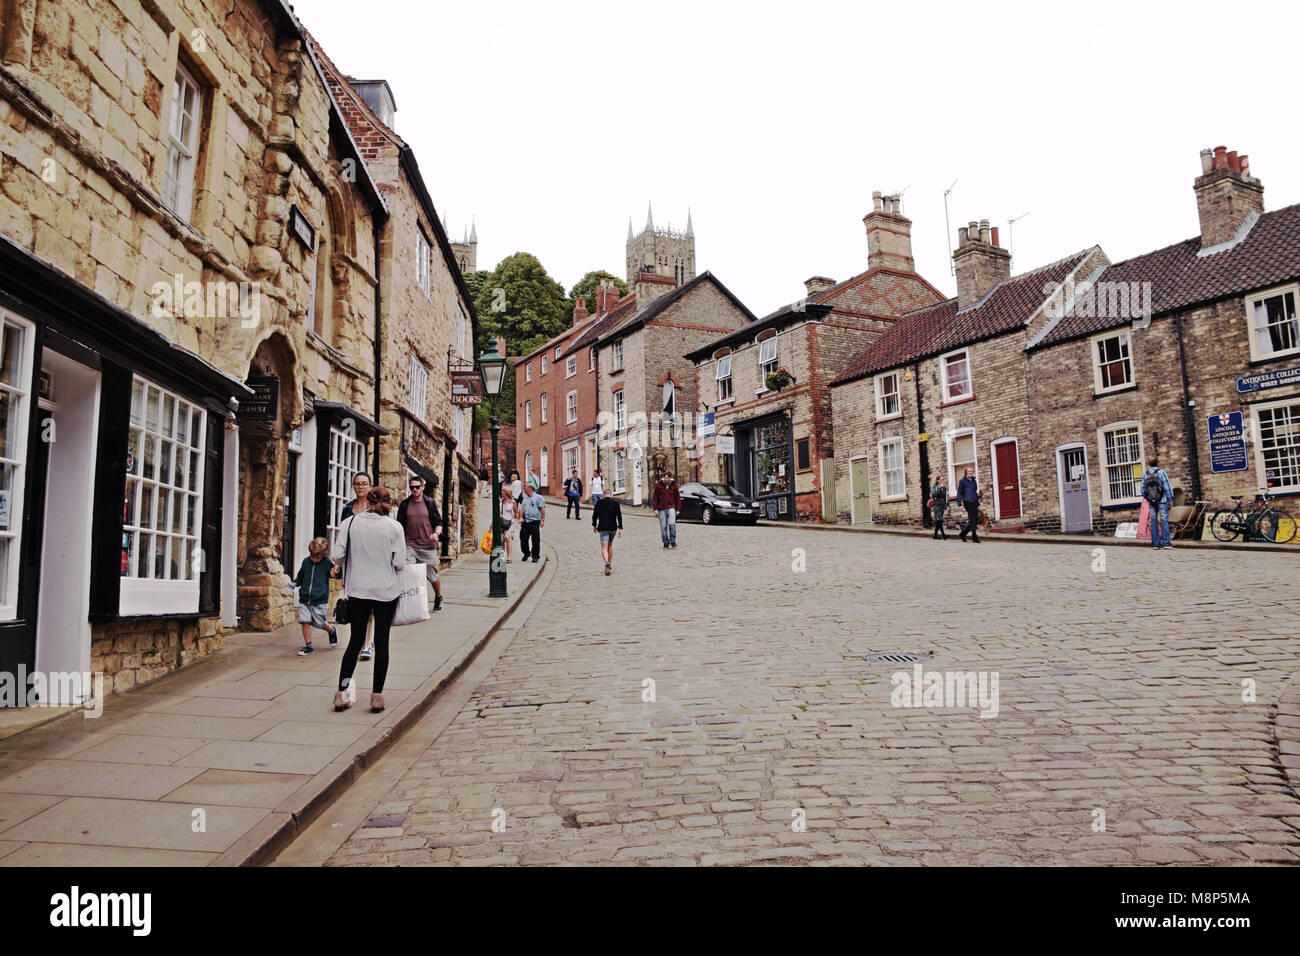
(778, 380)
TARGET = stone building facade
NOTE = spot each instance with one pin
(188, 290)
(426, 316)
(782, 440)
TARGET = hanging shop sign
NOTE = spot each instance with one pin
(466, 387)
(264, 404)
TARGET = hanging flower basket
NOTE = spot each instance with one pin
(779, 379)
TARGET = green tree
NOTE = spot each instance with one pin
(587, 285)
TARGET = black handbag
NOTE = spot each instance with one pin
(342, 609)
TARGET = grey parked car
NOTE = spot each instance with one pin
(714, 501)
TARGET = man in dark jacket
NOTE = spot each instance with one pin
(667, 500)
(969, 496)
(606, 519)
(573, 492)
(422, 522)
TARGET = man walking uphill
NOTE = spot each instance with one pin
(534, 519)
(607, 522)
(667, 501)
(573, 492)
(422, 524)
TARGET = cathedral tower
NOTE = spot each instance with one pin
(663, 252)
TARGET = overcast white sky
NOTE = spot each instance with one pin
(552, 123)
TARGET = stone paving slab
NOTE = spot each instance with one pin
(248, 736)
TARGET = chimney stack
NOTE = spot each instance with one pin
(606, 296)
(889, 234)
(1226, 195)
(818, 284)
(981, 262)
(580, 312)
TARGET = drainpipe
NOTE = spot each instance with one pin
(379, 343)
(923, 447)
(1189, 422)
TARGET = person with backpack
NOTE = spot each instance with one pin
(573, 493)
(968, 493)
(939, 507)
(1159, 495)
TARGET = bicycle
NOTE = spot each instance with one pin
(1263, 522)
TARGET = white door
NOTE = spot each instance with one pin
(546, 474)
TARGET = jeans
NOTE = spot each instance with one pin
(1160, 527)
(361, 609)
(973, 519)
(531, 533)
(574, 505)
(668, 525)
(596, 497)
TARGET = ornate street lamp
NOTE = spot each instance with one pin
(492, 367)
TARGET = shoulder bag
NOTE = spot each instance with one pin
(342, 609)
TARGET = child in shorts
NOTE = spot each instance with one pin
(313, 583)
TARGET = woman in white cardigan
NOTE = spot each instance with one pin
(370, 548)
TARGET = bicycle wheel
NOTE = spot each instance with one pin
(1286, 526)
(1225, 525)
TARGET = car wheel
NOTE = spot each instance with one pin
(707, 515)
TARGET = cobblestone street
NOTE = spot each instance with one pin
(1120, 702)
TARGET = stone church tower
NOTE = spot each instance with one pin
(465, 251)
(663, 252)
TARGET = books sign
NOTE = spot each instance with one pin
(466, 387)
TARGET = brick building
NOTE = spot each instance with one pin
(782, 440)
(1059, 386)
(425, 314)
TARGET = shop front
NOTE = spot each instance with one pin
(762, 465)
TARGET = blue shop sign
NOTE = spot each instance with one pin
(705, 428)
(1263, 380)
(1227, 443)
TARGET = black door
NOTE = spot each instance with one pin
(290, 511)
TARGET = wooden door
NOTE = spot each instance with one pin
(860, 487)
(1076, 510)
(1007, 460)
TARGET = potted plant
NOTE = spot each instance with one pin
(779, 379)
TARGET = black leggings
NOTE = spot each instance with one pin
(361, 609)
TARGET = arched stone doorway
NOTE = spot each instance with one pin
(263, 600)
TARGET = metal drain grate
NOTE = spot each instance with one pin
(896, 657)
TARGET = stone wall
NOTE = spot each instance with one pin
(130, 653)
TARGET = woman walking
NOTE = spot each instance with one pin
(516, 487)
(939, 507)
(371, 549)
(361, 486)
(509, 521)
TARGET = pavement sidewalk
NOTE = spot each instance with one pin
(224, 762)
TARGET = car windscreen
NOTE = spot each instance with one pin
(723, 491)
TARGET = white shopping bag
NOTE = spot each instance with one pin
(413, 602)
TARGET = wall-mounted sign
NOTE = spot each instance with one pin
(264, 405)
(1227, 443)
(466, 387)
(726, 445)
(1263, 380)
(705, 427)
(301, 228)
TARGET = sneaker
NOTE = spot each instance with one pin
(674, 545)
(665, 547)
(305, 650)
(334, 637)
(606, 570)
(437, 602)
(367, 652)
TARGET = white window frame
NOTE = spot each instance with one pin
(900, 471)
(1257, 351)
(571, 407)
(616, 356)
(423, 263)
(723, 374)
(543, 408)
(620, 411)
(773, 360)
(620, 471)
(1094, 344)
(558, 350)
(182, 157)
(20, 396)
(945, 397)
(145, 593)
(543, 372)
(1105, 464)
(878, 388)
(528, 414)
(419, 386)
(591, 361)
(528, 466)
(570, 466)
(347, 459)
(1261, 471)
(668, 396)
(571, 366)
(949, 441)
(528, 372)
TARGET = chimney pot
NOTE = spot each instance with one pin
(984, 230)
(973, 230)
(961, 236)
(1220, 157)
(877, 201)
(995, 236)
(1224, 203)
(1245, 166)
(1207, 160)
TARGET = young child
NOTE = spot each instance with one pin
(313, 583)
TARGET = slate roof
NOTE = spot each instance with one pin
(1268, 255)
(625, 307)
(936, 329)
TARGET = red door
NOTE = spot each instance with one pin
(1008, 476)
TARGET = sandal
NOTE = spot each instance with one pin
(340, 701)
(376, 703)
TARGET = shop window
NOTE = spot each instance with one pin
(16, 343)
(1278, 449)
(347, 459)
(162, 516)
(183, 144)
(1122, 462)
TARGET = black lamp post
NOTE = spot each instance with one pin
(492, 367)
